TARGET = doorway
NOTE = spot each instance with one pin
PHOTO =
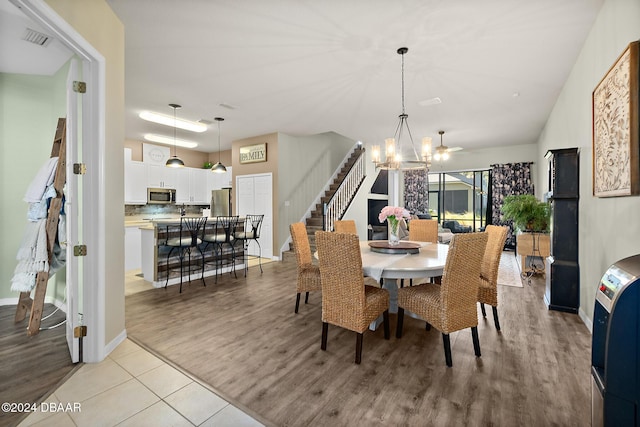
(84, 194)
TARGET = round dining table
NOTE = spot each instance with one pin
(428, 262)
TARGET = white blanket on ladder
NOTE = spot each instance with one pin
(32, 257)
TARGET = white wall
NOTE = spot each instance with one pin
(609, 228)
(305, 165)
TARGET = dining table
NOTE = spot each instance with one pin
(390, 266)
(427, 260)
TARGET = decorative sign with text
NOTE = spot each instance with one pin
(253, 153)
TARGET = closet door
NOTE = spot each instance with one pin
(254, 195)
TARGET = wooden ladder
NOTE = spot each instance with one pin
(36, 304)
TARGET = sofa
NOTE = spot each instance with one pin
(456, 227)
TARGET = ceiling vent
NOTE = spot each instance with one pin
(36, 37)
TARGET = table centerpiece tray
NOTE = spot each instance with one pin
(384, 247)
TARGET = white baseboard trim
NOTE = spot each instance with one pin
(115, 342)
(588, 322)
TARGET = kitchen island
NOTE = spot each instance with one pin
(154, 254)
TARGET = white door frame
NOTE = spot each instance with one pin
(93, 152)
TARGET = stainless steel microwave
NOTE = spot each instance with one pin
(161, 196)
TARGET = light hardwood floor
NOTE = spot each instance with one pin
(242, 338)
(30, 367)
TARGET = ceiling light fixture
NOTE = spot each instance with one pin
(169, 140)
(394, 154)
(172, 121)
(218, 167)
(175, 161)
(442, 151)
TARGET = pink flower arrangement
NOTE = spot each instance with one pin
(393, 213)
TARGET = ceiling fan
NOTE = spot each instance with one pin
(442, 151)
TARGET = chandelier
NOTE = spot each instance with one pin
(399, 155)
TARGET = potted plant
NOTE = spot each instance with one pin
(527, 212)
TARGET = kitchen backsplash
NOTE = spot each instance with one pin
(160, 210)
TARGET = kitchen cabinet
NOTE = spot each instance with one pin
(160, 176)
(198, 186)
(132, 248)
(135, 183)
(216, 181)
(191, 186)
(183, 194)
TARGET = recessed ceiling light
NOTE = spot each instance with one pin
(168, 121)
(169, 140)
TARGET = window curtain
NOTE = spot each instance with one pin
(416, 191)
(508, 179)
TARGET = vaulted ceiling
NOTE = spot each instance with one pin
(303, 67)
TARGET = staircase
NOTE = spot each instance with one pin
(317, 219)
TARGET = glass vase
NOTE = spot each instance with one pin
(394, 238)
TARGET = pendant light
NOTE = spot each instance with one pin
(175, 161)
(218, 167)
(442, 151)
(397, 156)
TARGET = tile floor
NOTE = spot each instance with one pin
(132, 387)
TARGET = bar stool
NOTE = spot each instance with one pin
(184, 238)
(251, 231)
(222, 235)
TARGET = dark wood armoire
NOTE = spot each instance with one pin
(562, 270)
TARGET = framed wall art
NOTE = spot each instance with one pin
(253, 153)
(616, 161)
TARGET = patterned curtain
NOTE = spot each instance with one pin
(416, 191)
(507, 179)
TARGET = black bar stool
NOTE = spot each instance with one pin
(223, 234)
(251, 231)
(185, 237)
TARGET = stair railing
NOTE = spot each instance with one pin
(337, 205)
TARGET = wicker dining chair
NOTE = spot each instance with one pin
(423, 230)
(488, 290)
(308, 277)
(345, 226)
(346, 301)
(452, 305)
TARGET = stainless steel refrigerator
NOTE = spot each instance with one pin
(221, 202)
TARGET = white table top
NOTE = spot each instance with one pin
(429, 262)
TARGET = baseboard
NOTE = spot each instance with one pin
(585, 319)
(115, 342)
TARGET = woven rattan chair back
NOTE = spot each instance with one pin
(308, 274)
(342, 280)
(346, 301)
(460, 281)
(300, 243)
(492, 253)
(345, 226)
(423, 230)
(488, 290)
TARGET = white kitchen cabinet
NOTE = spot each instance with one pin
(160, 176)
(198, 186)
(216, 181)
(191, 186)
(135, 183)
(183, 193)
(132, 248)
